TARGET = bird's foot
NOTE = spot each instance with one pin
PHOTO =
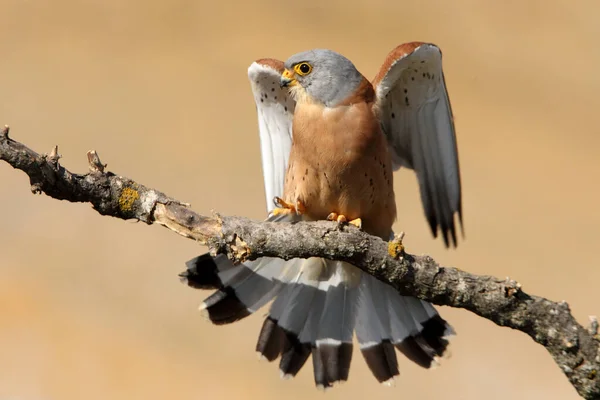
(341, 219)
(283, 207)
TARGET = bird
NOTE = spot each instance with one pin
(330, 143)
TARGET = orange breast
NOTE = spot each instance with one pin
(340, 163)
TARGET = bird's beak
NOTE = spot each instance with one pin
(287, 79)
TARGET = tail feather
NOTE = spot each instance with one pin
(225, 307)
(417, 310)
(332, 353)
(203, 271)
(299, 298)
(260, 287)
(289, 313)
(331, 362)
(434, 335)
(430, 336)
(289, 292)
(270, 340)
(412, 350)
(337, 320)
(399, 314)
(374, 330)
(294, 356)
(310, 330)
(382, 361)
(370, 328)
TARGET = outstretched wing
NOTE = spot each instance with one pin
(275, 109)
(415, 114)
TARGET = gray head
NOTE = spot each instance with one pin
(326, 76)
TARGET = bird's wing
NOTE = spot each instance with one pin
(275, 109)
(415, 114)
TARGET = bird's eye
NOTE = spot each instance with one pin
(303, 68)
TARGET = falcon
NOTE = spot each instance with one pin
(330, 142)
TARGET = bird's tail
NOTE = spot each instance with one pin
(317, 307)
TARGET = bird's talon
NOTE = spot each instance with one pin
(281, 211)
(300, 208)
(283, 207)
(357, 223)
(332, 217)
(339, 218)
(342, 220)
(281, 203)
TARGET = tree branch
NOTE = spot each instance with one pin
(575, 349)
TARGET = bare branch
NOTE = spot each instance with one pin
(574, 348)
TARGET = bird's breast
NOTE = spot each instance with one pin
(339, 133)
(339, 162)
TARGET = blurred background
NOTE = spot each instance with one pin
(91, 307)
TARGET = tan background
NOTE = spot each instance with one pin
(91, 307)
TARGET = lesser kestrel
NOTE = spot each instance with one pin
(330, 141)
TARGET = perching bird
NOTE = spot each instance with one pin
(330, 141)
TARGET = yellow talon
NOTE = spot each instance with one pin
(281, 211)
(357, 223)
(283, 207)
(337, 217)
(300, 209)
(342, 219)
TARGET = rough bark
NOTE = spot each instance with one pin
(575, 349)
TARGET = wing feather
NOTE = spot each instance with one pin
(415, 113)
(275, 110)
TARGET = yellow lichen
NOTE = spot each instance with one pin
(127, 199)
(395, 249)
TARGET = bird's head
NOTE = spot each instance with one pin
(320, 76)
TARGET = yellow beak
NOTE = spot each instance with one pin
(287, 79)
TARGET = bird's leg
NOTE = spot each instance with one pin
(283, 207)
(342, 219)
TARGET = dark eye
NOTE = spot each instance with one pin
(304, 68)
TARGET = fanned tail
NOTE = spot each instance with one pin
(317, 305)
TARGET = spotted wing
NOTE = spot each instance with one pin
(275, 109)
(415, 114)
